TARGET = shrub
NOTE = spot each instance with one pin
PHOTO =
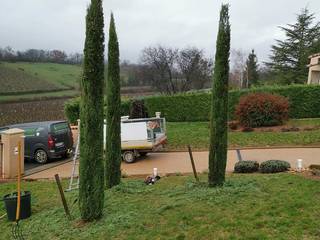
(274, 166)
(233, 125)
(262, 109)
(246, 167)
(138, 110)
(72, 110)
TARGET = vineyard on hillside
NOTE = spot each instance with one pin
(32, 81)
(44, 110)
(15, 82)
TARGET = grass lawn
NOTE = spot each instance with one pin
(63, 75)
(25, 81)
(279, 206)
(197, 135)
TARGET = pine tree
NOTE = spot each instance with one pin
(219, 111)
(251, 72)
(91, 189)
(113, 141)
(290, 56)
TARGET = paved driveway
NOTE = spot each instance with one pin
(179, 162)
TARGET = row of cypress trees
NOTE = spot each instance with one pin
(97, 172)
(92, 162)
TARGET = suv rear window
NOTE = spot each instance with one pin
(60, 127)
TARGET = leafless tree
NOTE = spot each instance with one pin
(238, 63)
(161, 62)
(172, 70)
(195, 69)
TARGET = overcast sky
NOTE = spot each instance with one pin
(60, 24)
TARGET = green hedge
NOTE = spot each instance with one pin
(191, 107)
(72, 109)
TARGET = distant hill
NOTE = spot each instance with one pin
(23, 81)
(27, 81)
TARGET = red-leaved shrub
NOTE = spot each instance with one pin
(262, 109)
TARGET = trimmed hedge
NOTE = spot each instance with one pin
(304, 101)
(246, 167)
(274, 166)
(72, 109)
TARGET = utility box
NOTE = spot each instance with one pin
(9, 157)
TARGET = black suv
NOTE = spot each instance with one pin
(45, 140)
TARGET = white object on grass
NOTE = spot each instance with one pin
(299, 165)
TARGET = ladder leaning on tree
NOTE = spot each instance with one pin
(74, 178)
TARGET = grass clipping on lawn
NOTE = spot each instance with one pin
(254, 206)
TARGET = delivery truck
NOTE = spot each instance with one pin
(141, 136)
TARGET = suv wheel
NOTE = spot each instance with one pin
(128, 157)
(41, 156)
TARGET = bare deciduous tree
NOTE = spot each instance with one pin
(161, 64)
(172, 70)
(238, 63)
(195, 69)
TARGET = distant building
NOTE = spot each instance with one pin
(314, 69)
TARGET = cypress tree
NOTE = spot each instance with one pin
(219, 110)
(251, 73)
(91, 189)
(113, 141)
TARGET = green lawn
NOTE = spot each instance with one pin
(63, 75)
(279, 206)
(32, 81)
(197, 135)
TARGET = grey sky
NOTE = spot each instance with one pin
(60, 24)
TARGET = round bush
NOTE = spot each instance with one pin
(262, 109)
(246, 167)
(274, 166)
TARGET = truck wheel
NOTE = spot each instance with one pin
(128, 157)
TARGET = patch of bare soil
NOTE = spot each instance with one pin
(309, 174)
(80, 224)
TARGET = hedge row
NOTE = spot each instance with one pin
(304, 102)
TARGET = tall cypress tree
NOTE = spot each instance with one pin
(219, 110)
(251, 72)
(91, 189)
(113, 141)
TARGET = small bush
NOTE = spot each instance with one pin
(138, 110)
(262, 109)
(246, 167)
(274, 166)
(233, 125)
